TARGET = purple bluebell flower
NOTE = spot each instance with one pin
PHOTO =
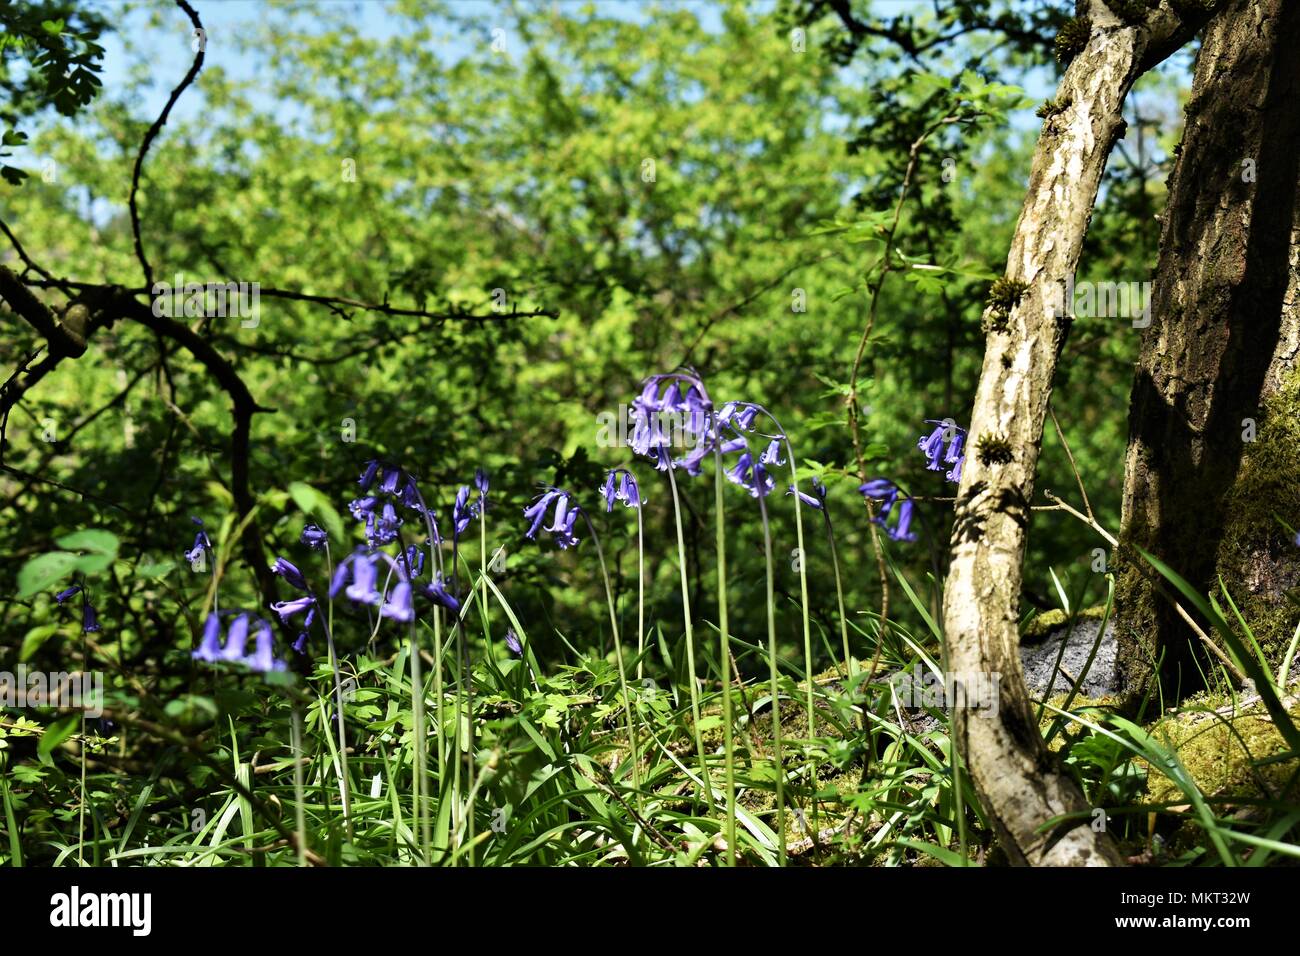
(288, 609)
(772, 455)
(300, 645)
(881, 489)
(368, 475)
(481, 483)
(414, 561)
(564, 517)
(89, 620)
(290, 573)
(209, 648)
(687, 412)
(751, 475)
(437, 592)
(314, 537)
(815, 500)
(397, 604)
(462, 512)
(67, 593)
(512, 643)
(944, 445)
(263, 657)
(201, 543)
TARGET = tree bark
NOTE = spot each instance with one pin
(1021, 785)
(1214, 429)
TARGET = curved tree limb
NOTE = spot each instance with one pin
(1022, 787)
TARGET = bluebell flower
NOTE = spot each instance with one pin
(565, 516)
(944, 445)
(819, 491)
(512, 643)
(751, 475)
(287, 609)
(67, 593)
(209, 648)
(201, 543)
(772, 455)
(290, 573)
(437, 592)
(89, 620)
(368, 475)
(481, 483)
(414, 561)
(314, 537)
(300, 645)
(462, 512)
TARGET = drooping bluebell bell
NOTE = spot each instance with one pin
(481, 483)
(620, 485)
(288, 609)
(751, 475)
(463, 511)
(201, 543)
(815, 500)
(67, 593)
(437, 592)
(89, 619)
(414, 561)
(292, 576)
(884, 490)
(512, 643)
(564, 518)
(944, 445)
(314, 537)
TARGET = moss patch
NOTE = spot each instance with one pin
(1258, 558)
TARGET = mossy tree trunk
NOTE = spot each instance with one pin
(1214, 447)
(1021, 786)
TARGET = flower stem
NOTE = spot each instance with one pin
(803, 590)
(724, 658)
(690, 641)
(774, 680)
(622, 671)
(299, 787)
(345, 783)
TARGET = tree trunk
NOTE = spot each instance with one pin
(1214, 429)
(1021, 785)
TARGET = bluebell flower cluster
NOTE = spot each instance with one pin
(884, 490)
(564, 516)
(620, 485)
(235, 649)
(944, 446)
(660, 410)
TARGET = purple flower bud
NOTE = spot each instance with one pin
(290, 573)
(314, 537)
(512, 642)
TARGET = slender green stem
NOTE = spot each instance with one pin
(345, 783)
(690, 642)
(774, 677)
(724, 658)
(839, 595)
(420, 820)
(299, 788)
(640, 594)
(622, 670)
(803, 590)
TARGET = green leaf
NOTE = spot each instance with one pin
(311, 502)
(55, 734)
(91, 539)
(44, 571)
(35, 638)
